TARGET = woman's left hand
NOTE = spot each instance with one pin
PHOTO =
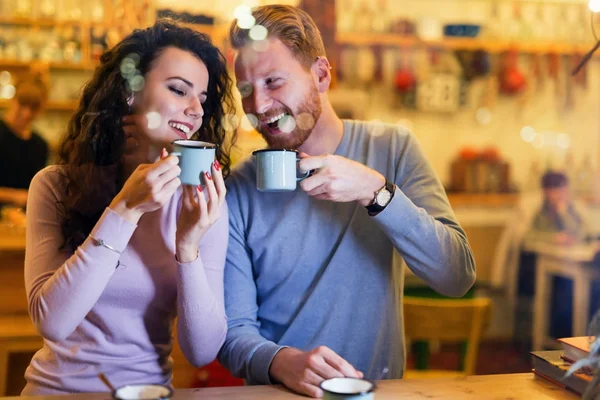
(200, 209)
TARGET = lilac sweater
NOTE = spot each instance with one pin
(97, 317)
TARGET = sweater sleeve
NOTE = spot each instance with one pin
(202, 323)
(423, 228)
(245, 353)
(62, 288)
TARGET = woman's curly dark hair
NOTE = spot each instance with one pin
(95, 142)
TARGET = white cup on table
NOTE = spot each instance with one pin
(348, 389)
(143, 392)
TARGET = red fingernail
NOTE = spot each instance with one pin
(199, 187)
(217, 165)
(208, 175)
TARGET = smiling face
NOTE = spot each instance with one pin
(280, 92)
(174, 91)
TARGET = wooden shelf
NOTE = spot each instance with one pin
(53, 65)
(62, 105)
(491, 46)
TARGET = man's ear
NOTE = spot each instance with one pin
(322, 71)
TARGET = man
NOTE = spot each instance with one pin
(309, 283)
(23, 151)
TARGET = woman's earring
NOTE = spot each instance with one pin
(130, 101)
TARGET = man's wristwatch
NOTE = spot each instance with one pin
(382, 198)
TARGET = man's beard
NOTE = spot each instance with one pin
(311, 106)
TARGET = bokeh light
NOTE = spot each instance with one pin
(249, 122)
(136, 83)
(128, 69)
(230, 122)
(563, 141)
(246, 21)
(5, 78)
(286, 124)
(241, 11)
(245, 88)
(134, 57)
(154, 119)
(258, 32)
(528, 134)
(7, 91)
(305, 121)
(594, 5)
(483, 115)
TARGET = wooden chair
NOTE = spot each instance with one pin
(444, 320)
(17, 334)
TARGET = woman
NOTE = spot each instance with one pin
(116, 249)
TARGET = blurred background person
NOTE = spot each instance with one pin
(557, 219)
(23, 152)
(560, 219)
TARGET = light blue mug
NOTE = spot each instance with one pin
(348, 389)
(195, 159)
(277, 170)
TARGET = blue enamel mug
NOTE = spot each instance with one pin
(195, 159)
(277, 170)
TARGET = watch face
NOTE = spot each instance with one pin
(383, 197)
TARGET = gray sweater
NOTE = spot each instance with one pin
(302, 272)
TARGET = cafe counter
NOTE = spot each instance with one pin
(478, 387)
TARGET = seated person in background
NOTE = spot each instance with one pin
(23, 152)
(559, 220)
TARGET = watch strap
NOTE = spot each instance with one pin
(375, 208)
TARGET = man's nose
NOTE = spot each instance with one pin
(262, 102)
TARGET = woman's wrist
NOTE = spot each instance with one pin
(186, 254)
(120, 207)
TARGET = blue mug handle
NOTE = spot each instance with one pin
(306, 174)
(175, 153)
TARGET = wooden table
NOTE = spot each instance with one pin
(478, 387)
(572, 262)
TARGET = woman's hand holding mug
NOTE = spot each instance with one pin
(200, 209)
(148, 188)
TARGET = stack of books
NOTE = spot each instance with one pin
(554, 364)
